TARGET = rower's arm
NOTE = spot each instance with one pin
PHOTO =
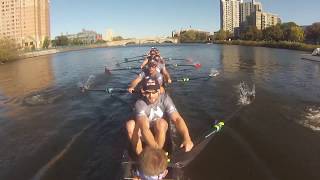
(166, 74)
(135, 82)
(183, 129)
(144, 63)
(142, 122)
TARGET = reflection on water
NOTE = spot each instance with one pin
(25, 76)
(51, 130)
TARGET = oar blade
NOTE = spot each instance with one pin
(197, 65)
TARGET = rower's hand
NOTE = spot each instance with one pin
(130, 90)
(169, 81)
(187, 145)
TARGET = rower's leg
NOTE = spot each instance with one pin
(161, 127)
(134, 136)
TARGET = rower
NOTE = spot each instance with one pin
(151, 54)
(149, 114)
(151, 70)
(161, 66)
(153, 164)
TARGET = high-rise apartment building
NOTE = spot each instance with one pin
(235, 13)
(229, 14)
(247, 8)
(25, 21)
(268, 19)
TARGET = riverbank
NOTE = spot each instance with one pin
(272, 44)
(59, 50)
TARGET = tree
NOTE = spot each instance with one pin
(220, 35)
(54, 43)
(46, 43)
(296, 34)
(313, 33)
(8, 50)
(187, 36)
(292, 32)
(76, 41)
(274, 33)
(252, 33)
(62, 40)
(117, 38)
(190, 36)
(286, 29)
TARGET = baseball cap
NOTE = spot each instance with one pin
(150, 84)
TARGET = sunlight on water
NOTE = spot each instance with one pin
(312, 118)
(247, 95)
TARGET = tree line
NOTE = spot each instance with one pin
(192, 36)
(281, 32)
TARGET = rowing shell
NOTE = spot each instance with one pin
(129, 160)
(179, 158)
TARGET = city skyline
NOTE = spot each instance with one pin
(151, 18)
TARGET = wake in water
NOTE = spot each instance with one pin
(86, 85)
(42, 98)
(214, 72)
(247, 94)
(312, 118)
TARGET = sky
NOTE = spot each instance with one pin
(148, 18)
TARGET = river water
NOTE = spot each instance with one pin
(49, 129)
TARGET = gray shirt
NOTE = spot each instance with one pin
(156, 110)
(158, 76)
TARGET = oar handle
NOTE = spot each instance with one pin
(216, 128)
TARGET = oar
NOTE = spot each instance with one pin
(182, 159)
(196, 65)
(187, 79)
(176, 59)
(108, 71)
(127, 61)
(135, 57)
(106, 90)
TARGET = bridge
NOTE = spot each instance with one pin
(151, 40)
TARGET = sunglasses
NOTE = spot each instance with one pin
(153, 65)
(149, 92)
